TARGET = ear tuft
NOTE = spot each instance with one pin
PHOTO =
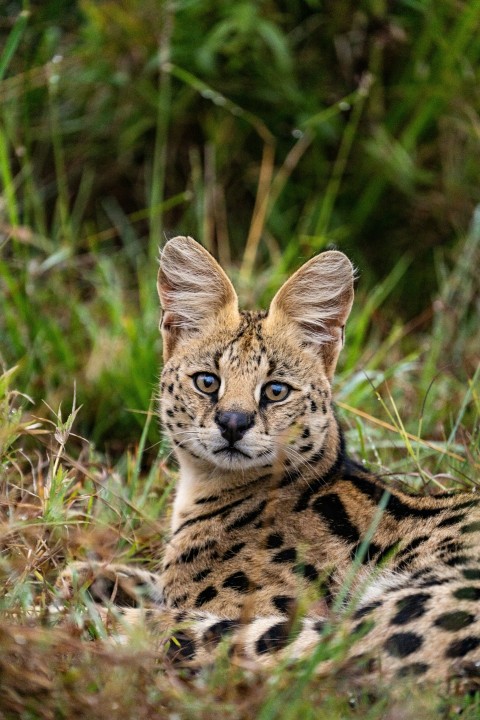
(318, 299)
(192, 288)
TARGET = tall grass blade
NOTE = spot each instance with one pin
(13, 41)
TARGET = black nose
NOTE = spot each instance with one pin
(234, 425)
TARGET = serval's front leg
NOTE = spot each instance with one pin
(128, 597)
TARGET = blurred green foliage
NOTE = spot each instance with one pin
(266, 129)
(410, 178)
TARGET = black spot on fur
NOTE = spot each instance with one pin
(222, 511)
(248, 517)
(395, 506)
(471, 573)
(401, 645)
(193, 552)
(409, 608)
(308, 571)
(263, 478)
(451, 520)
(285, 556)
(202, 575)
(455, 620)
(170, 388)
(457, 560)
(107, 590)
(467, 593)
(413, 670)
(306, 448)
(208, 499)
(306, 433)
(182, 647)
(371, 551)
(234, 550)
(318, 483)
(366, 609)
(404, 585)
(215, 633)
(421, 572)
(178, 601)
(433, 581)
(205, 596)
(273, 639)
(274, 540)
(467, 504)
(319, 626)
(354, 474)
(468, 669)
(313, 406)
(283, 603)
(363, 627)
(387, 552)
(317, 456)
(459, 648)
(471, 527)
(331, 509)
(448, 547)
(237, 581)
(412, 545)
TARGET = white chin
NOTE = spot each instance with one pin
(236, 461)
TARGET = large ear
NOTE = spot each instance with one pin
(193, 290)
(317, 300)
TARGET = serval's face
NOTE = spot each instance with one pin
(247, 397)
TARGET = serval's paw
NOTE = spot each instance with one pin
(110, 584)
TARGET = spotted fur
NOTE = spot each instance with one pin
(278, 512)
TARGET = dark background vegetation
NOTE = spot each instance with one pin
(267, 130)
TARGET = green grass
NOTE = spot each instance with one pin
(64, 499)
(58, 507)
(106, 141)
(121, 121)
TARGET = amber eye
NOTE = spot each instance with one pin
(206, 382)
(276, 391)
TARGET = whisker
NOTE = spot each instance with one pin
(293, 454)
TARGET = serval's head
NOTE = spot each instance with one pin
(243, 390)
